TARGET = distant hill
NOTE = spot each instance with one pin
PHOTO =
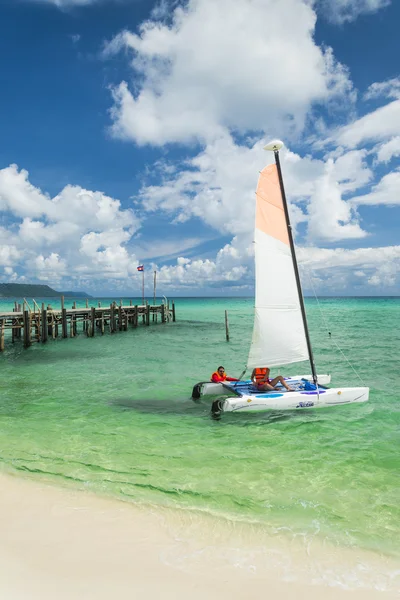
(31, 290)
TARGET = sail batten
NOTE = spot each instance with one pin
(278, 333)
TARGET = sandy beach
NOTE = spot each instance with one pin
(61, 543)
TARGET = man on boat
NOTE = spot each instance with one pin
(220, 376)
(261, 380)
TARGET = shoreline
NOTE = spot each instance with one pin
(66, 543)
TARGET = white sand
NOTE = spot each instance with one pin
(65, 544)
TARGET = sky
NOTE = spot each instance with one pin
(132, 133)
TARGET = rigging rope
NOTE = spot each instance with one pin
(333, 341)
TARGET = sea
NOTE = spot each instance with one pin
(113, 414)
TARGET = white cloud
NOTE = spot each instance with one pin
(232, 267)
(9, 255)
(69, 253)
(167, 249)
(217, 186)
(19, 196)
(380, 124)
(388, 89)
(385, 152)
(330, 270)
(78, 232)
(387, 192)
(50, 268)
(330, 218)
(247, 65)
(360, 258)
(337, 267)
(342, 11)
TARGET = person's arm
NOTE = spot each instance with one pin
(214, 378)
(231, 379)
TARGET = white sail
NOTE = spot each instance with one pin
(278, 334)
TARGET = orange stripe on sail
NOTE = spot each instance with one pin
(270, 215)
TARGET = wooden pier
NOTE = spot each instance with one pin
(41, 324)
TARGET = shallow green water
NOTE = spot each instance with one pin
(113, 414)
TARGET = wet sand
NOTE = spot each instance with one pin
(67, 544)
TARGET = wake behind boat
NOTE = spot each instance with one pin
(280, 333)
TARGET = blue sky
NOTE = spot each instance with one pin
(132, 132)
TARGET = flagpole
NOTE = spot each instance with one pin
(155, 284)
(276, 146)
(143, 286)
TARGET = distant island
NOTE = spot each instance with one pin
(31, 290)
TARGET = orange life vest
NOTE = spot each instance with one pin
(218, 377)
(260, 375)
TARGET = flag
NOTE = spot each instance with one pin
(140, 268)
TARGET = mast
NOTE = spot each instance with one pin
(275, 146)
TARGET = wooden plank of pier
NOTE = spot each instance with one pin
(42, 323)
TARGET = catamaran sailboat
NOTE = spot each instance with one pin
(280, 333)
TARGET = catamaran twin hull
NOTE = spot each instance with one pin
(245, 397)
(280, 332)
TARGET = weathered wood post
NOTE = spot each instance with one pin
(102, 322)
(19, 332)
(74, 304)
(154, 292)
(72, 326)
(13, 330)
(27, 329)
(120, 317)
(92, 321)
(87, 303)
(63, 319)
(162, 313)
(136, 316)
(144, 313)
(112, 325)
(15, 321)
(226, 326)
(44, 325)
(147, 314)
(173, 312)
(2, 335)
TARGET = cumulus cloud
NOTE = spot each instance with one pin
(247, 65)
(325, 269)
(342, 11)
(78, 232)
(217, 186)
(330, 217)
(372, 266)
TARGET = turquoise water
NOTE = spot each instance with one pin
(113, 414)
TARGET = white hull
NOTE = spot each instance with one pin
(219, 389)
(295, 400)
(243, 396)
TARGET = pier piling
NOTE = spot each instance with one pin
(41, 323)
